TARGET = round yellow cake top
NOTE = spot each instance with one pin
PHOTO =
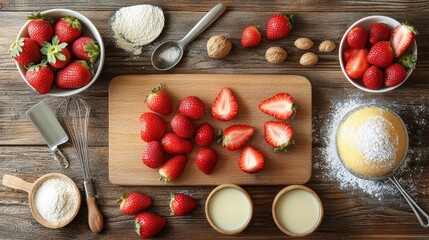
(372, 142)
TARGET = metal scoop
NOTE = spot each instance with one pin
(168, 54)
(50, 129)
(390, 175)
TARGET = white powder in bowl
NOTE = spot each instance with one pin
(136, 26)
(56, 200)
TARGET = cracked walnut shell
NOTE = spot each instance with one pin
(276, 55)
(218, 46)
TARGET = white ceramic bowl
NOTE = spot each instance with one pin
(366, 23)
(89, 30)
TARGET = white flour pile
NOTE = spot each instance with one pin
(332, 168)
(136, 26)
(56, 199)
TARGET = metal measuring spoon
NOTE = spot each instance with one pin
(169, 53)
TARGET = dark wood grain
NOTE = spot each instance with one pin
(348, 213)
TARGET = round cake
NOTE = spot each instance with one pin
(372, 141)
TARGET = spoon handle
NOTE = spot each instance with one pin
(204, 23)
(17, 183)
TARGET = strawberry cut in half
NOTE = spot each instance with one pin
(236, 136)
(402, 37)
(357, 66)
(251, 160)
(224, 107)
(280, 106)
(279, 135)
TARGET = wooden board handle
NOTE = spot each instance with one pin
(95, 219)
(17, 183)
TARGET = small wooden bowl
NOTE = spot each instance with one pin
(31, 189)
(249, 199)
(277, 221)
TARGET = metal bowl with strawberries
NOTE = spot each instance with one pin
(58, 52)
(378, 53)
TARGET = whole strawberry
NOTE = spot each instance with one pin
(74, 75)
(381, 54)
(85, 48)
(40, 29)
(379, 32)
(192, 107)
(173, 144)
(182, 126)
(181, 204)
(131, 203)
(153, 155)
(40, 77)
(394, 75)
(204, 135)
(279, 26)
(148, 224)
(159, 101)
(357, 38)
(58, 55)
(25, 51)
(152, 127)
(173, 168)
(373, 78)
(206, 160)
(250, 37)
(68, 29)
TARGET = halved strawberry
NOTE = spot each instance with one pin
(280, 106)
(402, 37)
(279, 135)
(224, 107)
(236, 136)
(251, 160)
(349, 53)
(357, 66)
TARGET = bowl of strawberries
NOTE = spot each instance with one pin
(58, 52)
(378, 53)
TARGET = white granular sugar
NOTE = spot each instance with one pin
(136, 26)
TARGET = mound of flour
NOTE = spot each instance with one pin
(136, 26)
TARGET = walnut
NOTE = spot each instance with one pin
(218, 46)
(309, 59)
(327, 46)
(303, 43)
(276, 55)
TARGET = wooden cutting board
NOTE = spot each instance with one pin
(126, 103)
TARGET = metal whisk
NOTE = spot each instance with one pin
(73, 114)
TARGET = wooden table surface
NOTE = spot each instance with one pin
(348, 213)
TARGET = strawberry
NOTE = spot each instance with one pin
(278, 134)
(152, 127)
(173, 144)
(148, 224)
(394, 75)
(25, 51)
(379, 32)
(204, 135)
(40, 28)
(181, 204)
(357, 38)
(357, 66)
(206, 160)
(85, 48)
(251, 160)
(68, 29)
(279, 26)
(173, 168)
(250, 37)
(131, 203)
(349, 53)
(74, 75)
(224, 107)
(153, 155)
(58, 55)
(182, 126)
(280, 106)
(381, 54)
(192, 107)
(236, 136)
(373, 78)
(40, 77)
(402, 37)
(159, 101)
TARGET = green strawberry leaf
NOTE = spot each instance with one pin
(74, 22)
(60, 56)
(93, 51)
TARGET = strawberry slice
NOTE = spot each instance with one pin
(236, 136)
(280, 106)
(224, 107)
(251, 160)
(357, 65)
(402, 37)
(349, 53)
(279, 135)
